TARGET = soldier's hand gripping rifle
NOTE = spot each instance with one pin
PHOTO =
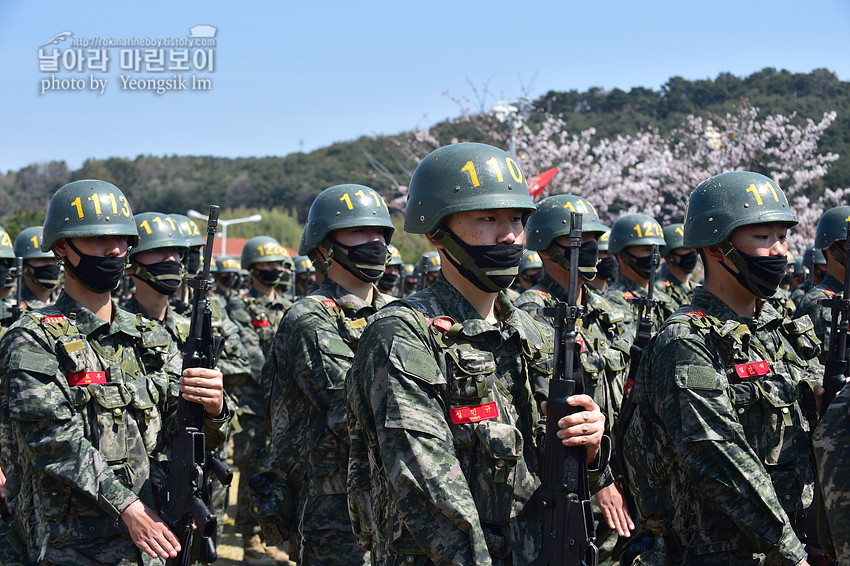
(188, 490)
(568, 529)
(18, 308)
(836, 368)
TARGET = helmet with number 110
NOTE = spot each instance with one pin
(88, 208)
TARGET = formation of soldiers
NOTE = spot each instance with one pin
(383, 412)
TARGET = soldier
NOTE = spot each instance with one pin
(829, 238)
(41, 269)
(428, 268)
(304, 276)
(716, 435)
(228, 279)
(675, 275)
(446, 385)
(606, 267)
(83, 403)
(605, 348)
(410, 280)
(7, 263)
(389, 283)
(346, 235)
(632, 238)
(814, 262)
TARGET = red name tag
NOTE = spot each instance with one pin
(58, 319)
(753, 369)
(260, 323)
(86, 377)
(443, 324)
(628, 295)
(697, 313)
(475, 413)
(330, 303)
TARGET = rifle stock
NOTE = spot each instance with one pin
(188, 489)
(568, 529)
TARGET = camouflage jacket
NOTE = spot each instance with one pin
(679, 293)
(781, 301)
(443, 413)
(623, 289)
(820, 315)
(831, 438)
(84, 420)
(31, 302)
(313, 349)
(604, 348)
(718, 445)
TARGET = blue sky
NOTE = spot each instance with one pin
(302, 75)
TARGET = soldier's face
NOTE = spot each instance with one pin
(359, 235)
(488, 227)
(100, 246)
(761, 239)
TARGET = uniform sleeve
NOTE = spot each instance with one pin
(395, 397)
(48, 429)
(831, 438)
(691, 399)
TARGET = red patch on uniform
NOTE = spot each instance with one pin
(330, 303)
(628, 387)
(474, 413)
(828, 292)
(580, 345)
(541, 292)
(86, 377)
(696, 313)
(260, 323)
(58, 319)
(442, 323)
(753, 369)
(628, 295)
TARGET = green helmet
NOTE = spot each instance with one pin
(28, 244)
(303, 264)
(157, 230)
(530, 260)
(344, 206)
(88, 208)
(263, 249)
(431, 262)
(634, 230)
(603, 241)
(408, 270)
(227, 264)
(395, 256)
(832, 226)
(797, 266)
(818, 259)
(725, 202)
(674, 235)
(552, 220)
(189, 229)
(463, 177)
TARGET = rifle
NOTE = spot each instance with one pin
(835, 368)
(189, 489)
(568, 529)
(423, 273)
(17, 308)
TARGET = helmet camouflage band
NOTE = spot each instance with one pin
(157, 230)
(460, 178)
(344, 206)
(263, 249)
(552, 220)
(28, 244)
(832, 227)
(88, 208)
(725, 202)
(674, 236)
(634, 230)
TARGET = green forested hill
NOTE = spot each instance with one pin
(176, 183)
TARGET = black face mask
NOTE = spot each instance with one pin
(490, 268)
(761, 275)
(164, 277)
(588, 255)
(607, 268)
(268, 277)
(193, 261)
(229, 280)
(642, 265)
(389, 280)
(686, 262)
(98, 274)
(285, 283)
(366, 261)
(534, 279)
(46, 276)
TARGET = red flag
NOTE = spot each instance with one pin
(537, 183)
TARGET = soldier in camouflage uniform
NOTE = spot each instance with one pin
(716, 426)
(829, 238)
(41, 269)
(305, 276)
(632, 238)
(446, 387)
(831, 439)
(814, 263)
(86, 398)
(529, 274)
(606, 267)
(428, 268)
(390, 282)
(346, 236)
(409, 280)
(604, 347)
(7, 264)
(227, 279)
(674, 276)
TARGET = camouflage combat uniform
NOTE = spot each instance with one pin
(442, 410)
(82, 453)
(623, 289)
(679, 293)
(831, 439)
(313, 350)
(820, 315)
(718, 445)
(31, 302)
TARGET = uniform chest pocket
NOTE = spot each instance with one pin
(468, 372)
(781, 421)
(110, 420)
(336, 358)
(498, 476)
(145, 396)
(592, 364)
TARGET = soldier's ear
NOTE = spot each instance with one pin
(714, 253)
(60, 249)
